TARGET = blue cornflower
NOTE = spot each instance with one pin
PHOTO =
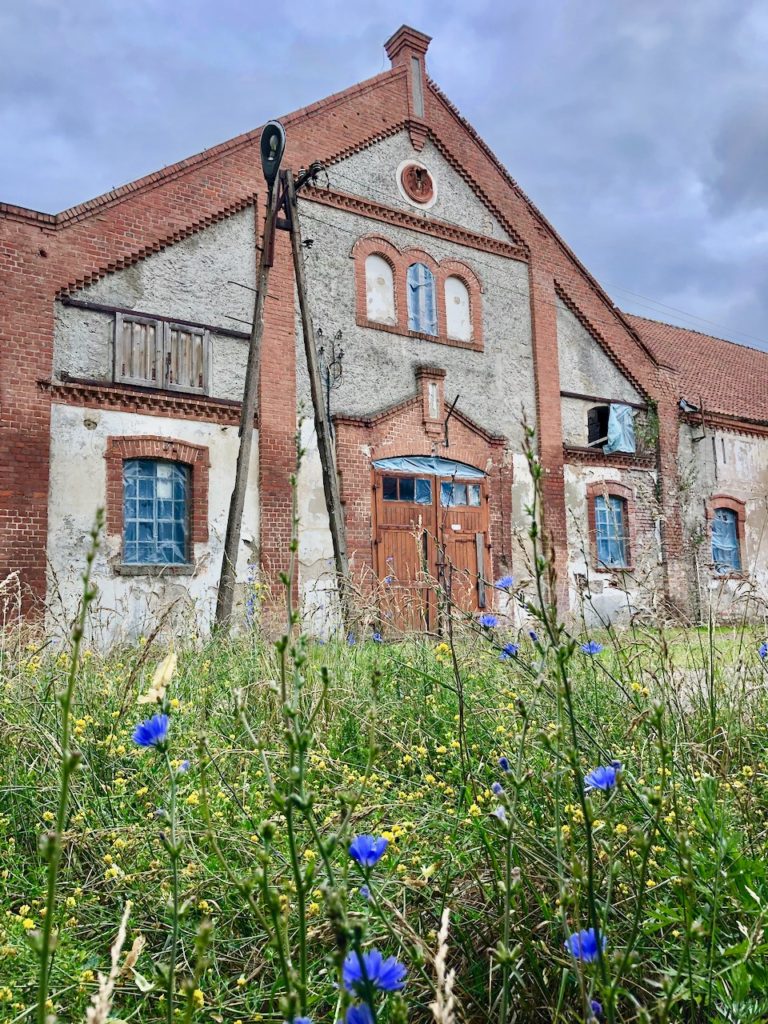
(368, 850)
(377, 638)
(501, 814)
(596, 1007)
(763, 650)
(584, 945)
(533, 635)
(365, 892)
(387, 975)
(351, 639)
(504, 583)
(497, 789)
(504, 764)
(183, 768)
(359, 1014)
(591, 647)
(153, 732)
(488, 621)
(388, 580)
(508, 651)
(302, 1020)
(603, 777)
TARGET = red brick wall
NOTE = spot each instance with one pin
(40, 255)
(405, 430)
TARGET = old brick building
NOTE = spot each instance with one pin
(124, 340)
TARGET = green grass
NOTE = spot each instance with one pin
(677, 853)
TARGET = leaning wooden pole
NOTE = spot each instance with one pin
(226, 594)
(322, 421)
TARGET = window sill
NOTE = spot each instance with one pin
(437, 339)
(616, 570)
(728, 575)
(130, 569)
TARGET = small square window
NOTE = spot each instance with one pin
(389, 487)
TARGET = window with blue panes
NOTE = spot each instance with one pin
(611, 532)
(422, 309)
(726, 553)
(155, 512)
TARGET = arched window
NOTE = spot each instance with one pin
(611, 534)
(422, 310)
(379, 290)
(726, 550)
(457, 310)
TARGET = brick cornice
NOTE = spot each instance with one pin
(392, 411)
(145, 402)
(731, 424)
(158, 245)
(399, 218)
(597, 457)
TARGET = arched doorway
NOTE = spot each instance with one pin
(430, 525)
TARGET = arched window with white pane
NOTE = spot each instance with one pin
(422, 308)
(458, 314)
(379, 290)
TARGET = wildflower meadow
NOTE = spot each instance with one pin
(505, 823)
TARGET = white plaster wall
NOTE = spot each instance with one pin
(372, 173)
(584, 366)
(192, 280)
(609, 597)
(320, 611)
(129, 606)
(734, 464)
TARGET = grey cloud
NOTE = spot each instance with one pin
(640, 130)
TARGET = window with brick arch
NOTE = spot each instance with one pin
(611, 531)
(379, 290)
(422, 307)
(458, 312)
(726, 549)
(156, 500)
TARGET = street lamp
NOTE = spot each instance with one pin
(272, 149)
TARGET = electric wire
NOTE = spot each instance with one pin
(646, 301)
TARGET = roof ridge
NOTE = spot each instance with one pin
(693, 330)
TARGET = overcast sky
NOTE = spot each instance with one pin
(639, 127)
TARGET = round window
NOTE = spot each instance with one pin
(417, 183)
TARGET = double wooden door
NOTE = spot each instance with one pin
(430, 530)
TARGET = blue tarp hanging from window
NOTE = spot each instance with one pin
(621, 429)
(725, 541)
(429, 464)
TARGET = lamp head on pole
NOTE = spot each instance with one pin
(272, 149)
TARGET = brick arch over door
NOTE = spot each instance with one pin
(407, 428)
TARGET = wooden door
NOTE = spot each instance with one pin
(429, 530)
(404, 538)
(463, 547)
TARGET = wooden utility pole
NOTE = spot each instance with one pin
(226, 595)
(322, 420)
